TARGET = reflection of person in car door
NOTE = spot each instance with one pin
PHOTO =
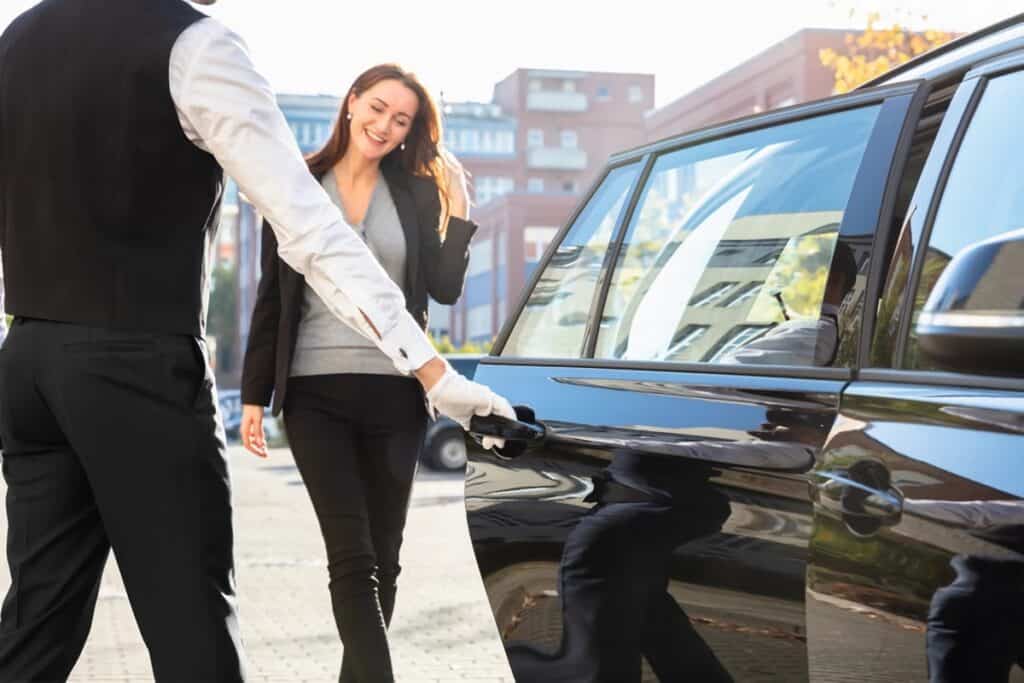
(614, 578)
(805, 342)
(976, 623)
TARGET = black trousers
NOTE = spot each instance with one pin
(356, 440)
(112, 440)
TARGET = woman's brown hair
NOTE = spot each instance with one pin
(422, 153)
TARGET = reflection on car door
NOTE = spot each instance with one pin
(916, 567)
(660, 533)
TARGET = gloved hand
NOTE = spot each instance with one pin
(461, 399)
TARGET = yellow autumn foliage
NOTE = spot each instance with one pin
(876, 50)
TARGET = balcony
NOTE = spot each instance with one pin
(556, 158)
(554, 100)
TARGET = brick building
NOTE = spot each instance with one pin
(786, 73)
(531, 152)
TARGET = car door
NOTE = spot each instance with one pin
(916, 567)
(684, 343)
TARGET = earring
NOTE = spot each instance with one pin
(348, 116)
(402, 146)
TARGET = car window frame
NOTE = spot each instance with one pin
(886, 146)
(509, 323)
(928, 195)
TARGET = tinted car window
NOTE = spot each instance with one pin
(983, 197)
(554, 319)
(727, 259)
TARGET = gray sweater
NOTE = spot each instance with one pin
(327, 346)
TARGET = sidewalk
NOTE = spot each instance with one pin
(442, 630)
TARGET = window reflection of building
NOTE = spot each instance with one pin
(554, 319)
(735, 236)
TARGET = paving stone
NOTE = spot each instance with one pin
(442, 630)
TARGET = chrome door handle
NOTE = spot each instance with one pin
(840, 492)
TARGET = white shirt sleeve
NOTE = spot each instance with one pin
(229, 110)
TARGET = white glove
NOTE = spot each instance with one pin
(461, 399)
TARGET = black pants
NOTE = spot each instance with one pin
(356, 440)
(111, 440)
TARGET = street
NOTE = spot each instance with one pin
(442, 630)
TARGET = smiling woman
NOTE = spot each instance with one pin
(354, 424)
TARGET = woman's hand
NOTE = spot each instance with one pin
(252, 430)
(458, 192)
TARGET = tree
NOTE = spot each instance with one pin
(222, 319)
(444, 346)
(880, 47)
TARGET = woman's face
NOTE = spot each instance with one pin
(381, 118)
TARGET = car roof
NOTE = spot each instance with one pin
(958, 56)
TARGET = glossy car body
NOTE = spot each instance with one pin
(710, 505)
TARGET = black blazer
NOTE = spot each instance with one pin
(431, 267)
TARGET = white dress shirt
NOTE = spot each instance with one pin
(229, 110)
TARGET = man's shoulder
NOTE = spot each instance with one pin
(23, 22)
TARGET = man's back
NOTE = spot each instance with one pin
(107, 415)
(107, 207)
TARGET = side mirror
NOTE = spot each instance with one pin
(974, 319)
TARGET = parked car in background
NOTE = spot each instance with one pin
(780, 367)
(445, 444)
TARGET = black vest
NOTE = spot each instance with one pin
(107, 211)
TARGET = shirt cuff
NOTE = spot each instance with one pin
(407, 345)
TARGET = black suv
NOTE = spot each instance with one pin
(778, 364)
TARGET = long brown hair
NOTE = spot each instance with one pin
(422, 153)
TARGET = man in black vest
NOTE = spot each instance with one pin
(116, 120)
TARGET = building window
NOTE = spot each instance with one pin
(570, 139)
(507, 142)
(469, 140)
(686, 337)
(450, 140)
(491, 187)
(535, 185)
(568, 86)
(569, 186)
(738, 338)
(535, 137)
(636, 94)
(603, 94)
(536, 86)
(713, 294)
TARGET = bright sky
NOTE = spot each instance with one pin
(462, 47)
